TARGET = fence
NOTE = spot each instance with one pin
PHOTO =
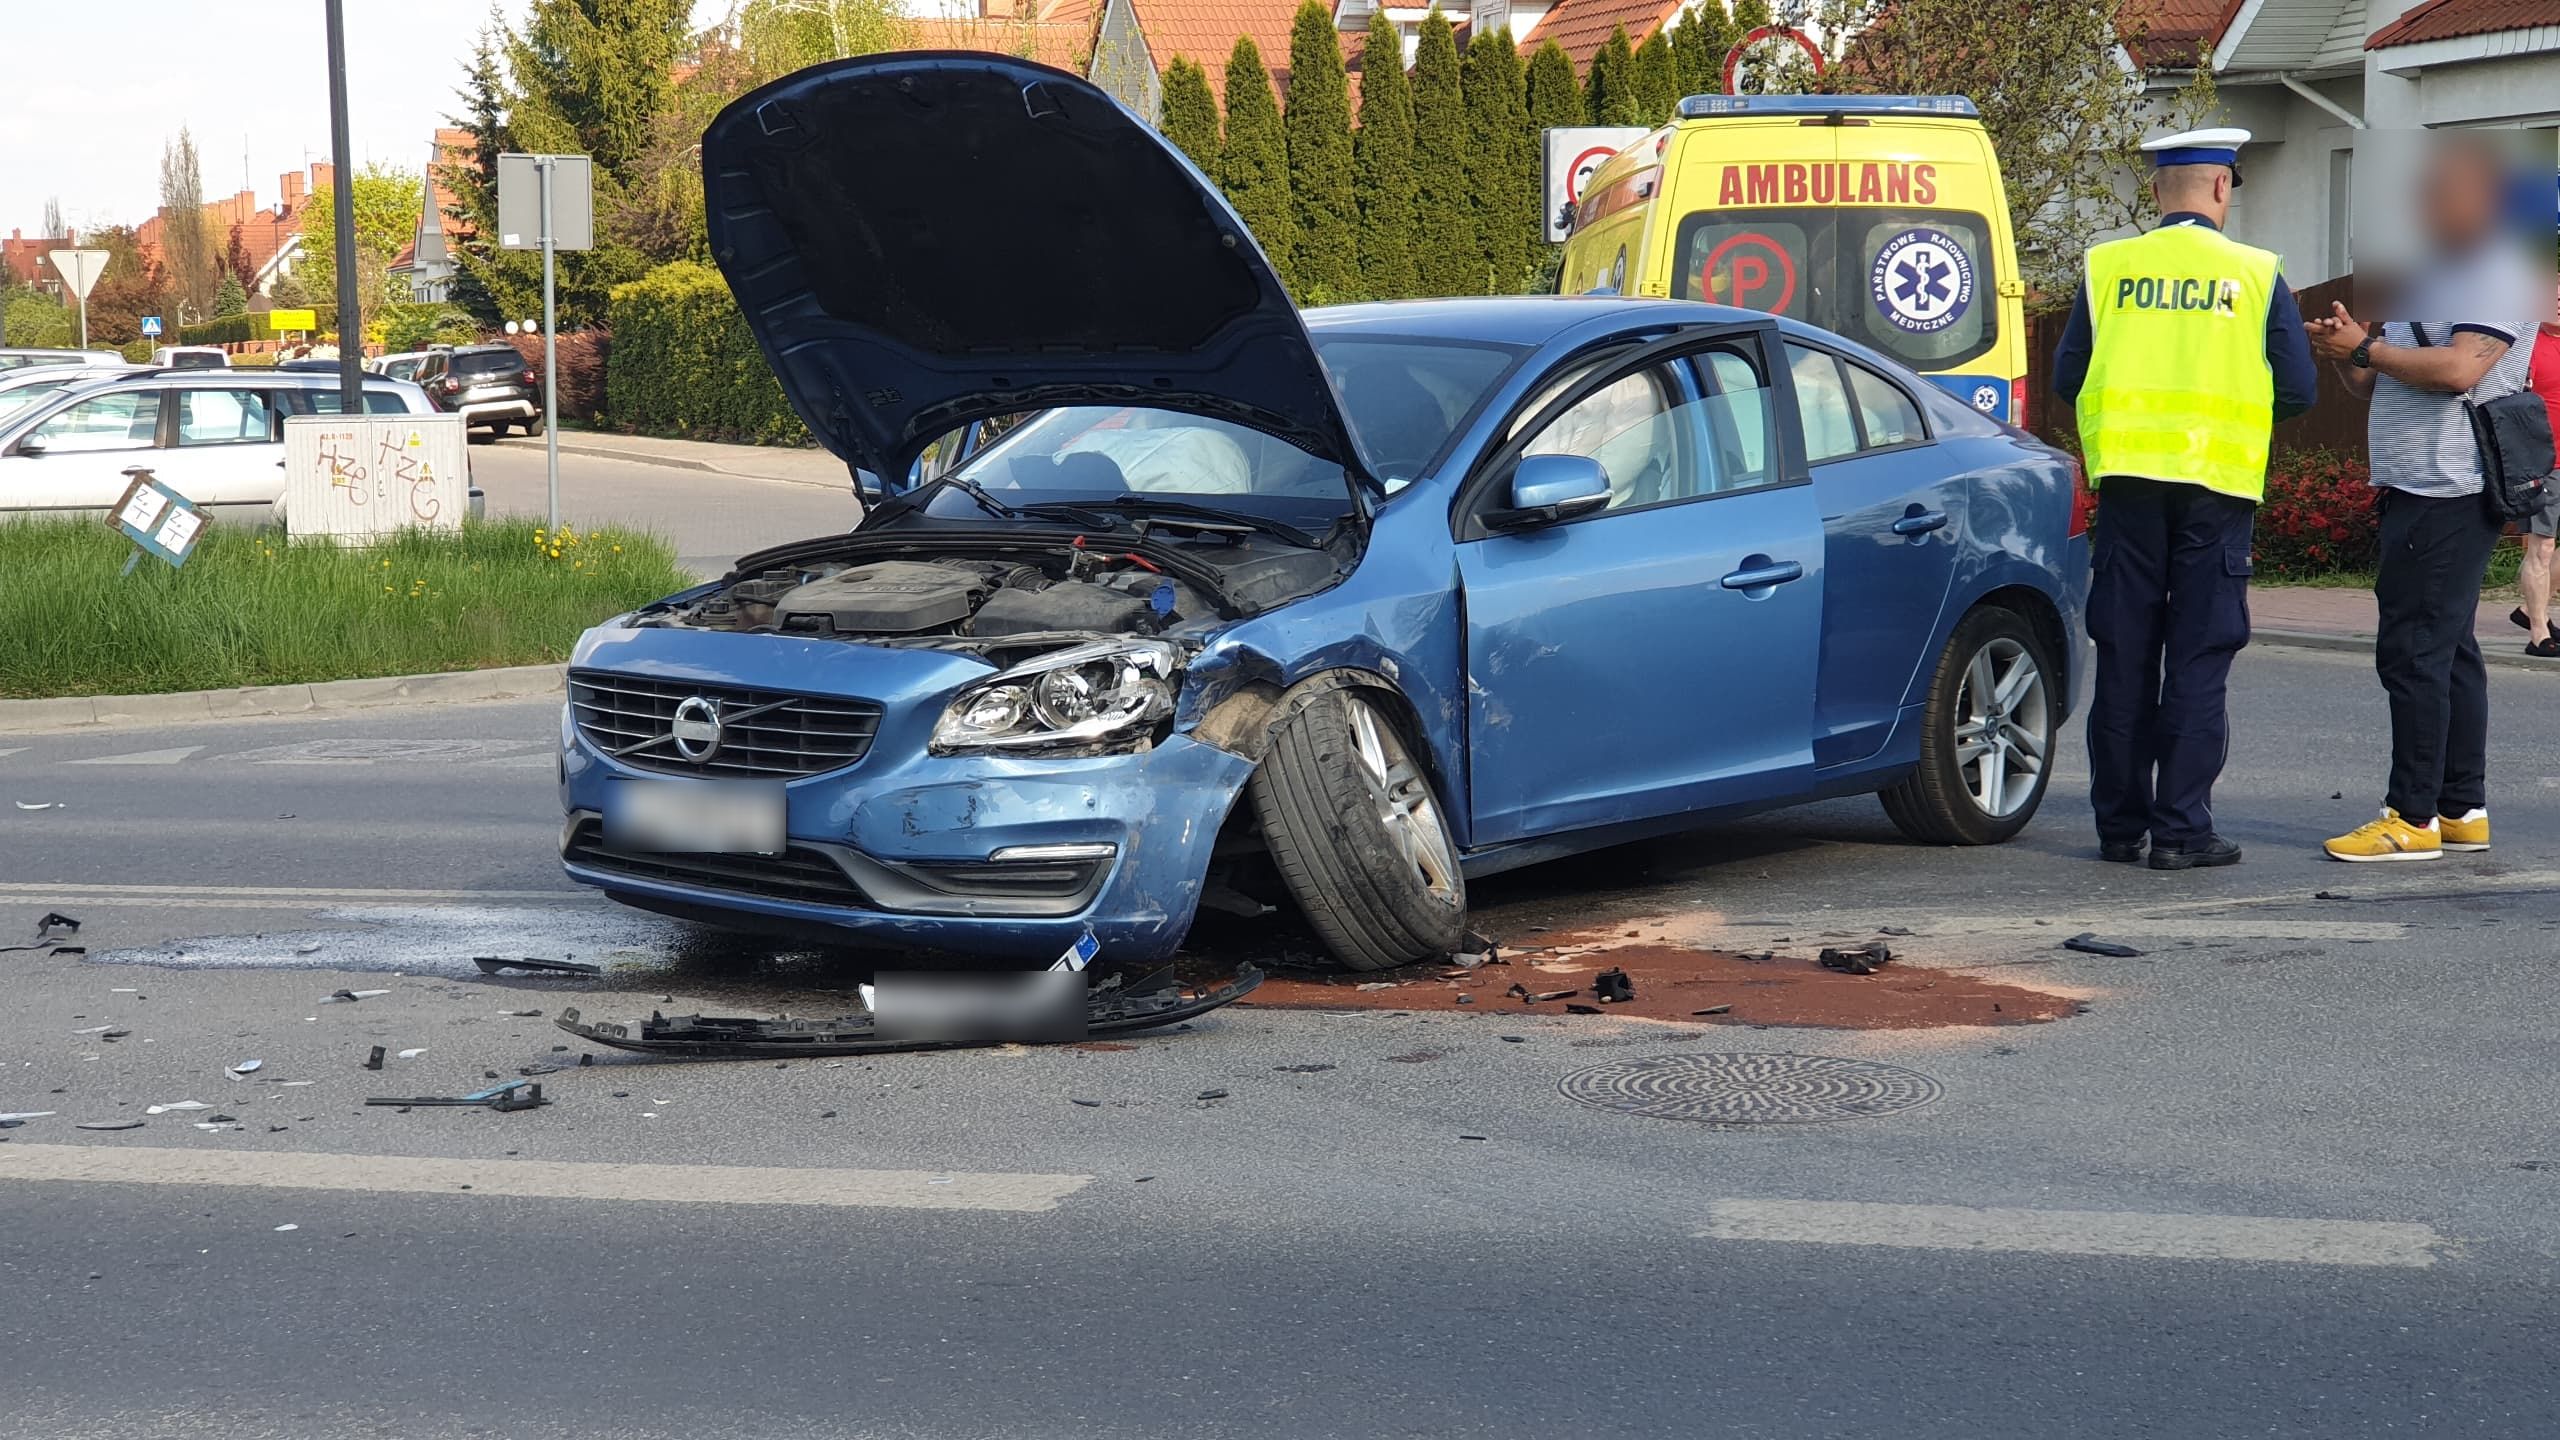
(2336, 422)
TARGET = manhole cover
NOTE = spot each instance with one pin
(1746, 1089)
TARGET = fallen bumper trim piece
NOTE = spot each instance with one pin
(1111, 1009)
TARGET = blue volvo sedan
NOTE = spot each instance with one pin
(1339, 609)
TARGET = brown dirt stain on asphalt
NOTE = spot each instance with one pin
(1674, 982)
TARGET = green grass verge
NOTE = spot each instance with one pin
(2504, 562)
(249, 608)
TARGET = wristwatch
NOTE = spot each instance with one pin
(2362, 357)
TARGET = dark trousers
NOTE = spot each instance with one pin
(2434, 553)
(2168, 608)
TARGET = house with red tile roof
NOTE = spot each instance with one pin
(2315, 81)
(426, 262)
(270, 234)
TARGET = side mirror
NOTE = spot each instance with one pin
(1548, 489)
(866, 488)
(32, 446)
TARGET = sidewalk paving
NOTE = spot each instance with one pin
(799, 465)
(2343, 619)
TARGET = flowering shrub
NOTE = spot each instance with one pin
(2317, 517)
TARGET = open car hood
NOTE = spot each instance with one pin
(923, 239)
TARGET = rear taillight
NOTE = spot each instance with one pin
(528, 377)
(2018, 402)
(2084, 501)
(451, 385)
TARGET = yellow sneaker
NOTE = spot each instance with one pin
(2389, 838)
(2464, 832)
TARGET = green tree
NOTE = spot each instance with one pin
(1500, 171)
(1657, 79)
(1318, 128)
(1383, 166)
(598, 77)
(1253, 164)
(780, 36)
(1450, 254)
(1610, 95)
(230, 297)
(493, 285)
(387, 202)
(186, 248)
(1698, 46)
(1191, 113)
(30, 316)
(1555, 96)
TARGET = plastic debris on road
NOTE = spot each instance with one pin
(175, 1106)
(2088, 943)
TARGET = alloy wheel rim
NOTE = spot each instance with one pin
(1401, 798)
(2003, 727)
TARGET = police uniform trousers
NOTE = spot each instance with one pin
(2168, 609)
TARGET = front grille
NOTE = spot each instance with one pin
(808, 876)
(800, 735)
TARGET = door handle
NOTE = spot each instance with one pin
(1921, 524)
(1761, 577)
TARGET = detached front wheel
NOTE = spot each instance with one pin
(1987, 742)
(1351, 822)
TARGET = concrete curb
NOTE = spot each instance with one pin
(72, 712)
(671, 462)
(2363, 645)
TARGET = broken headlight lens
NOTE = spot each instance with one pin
(1111, 690)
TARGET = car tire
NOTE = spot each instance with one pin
(1995, 679)
(1352, 823)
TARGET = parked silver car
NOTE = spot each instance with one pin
(23, 356)
(215, 436)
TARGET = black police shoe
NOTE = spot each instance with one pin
(2121, 852)
(2206, 853)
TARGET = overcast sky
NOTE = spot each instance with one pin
(97, 89)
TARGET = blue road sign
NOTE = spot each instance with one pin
(150, 325)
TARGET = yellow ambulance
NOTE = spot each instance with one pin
(1878, 217)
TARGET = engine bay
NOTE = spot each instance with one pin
(993, 599)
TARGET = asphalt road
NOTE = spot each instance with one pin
(712, 519)
(2291, 1174)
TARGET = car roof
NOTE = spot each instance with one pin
(1539, 321)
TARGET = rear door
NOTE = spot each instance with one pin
(226, 445)
(1657, 657)
(1893, 521)
(84, 453)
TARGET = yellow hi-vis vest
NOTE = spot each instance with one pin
(2179, 387)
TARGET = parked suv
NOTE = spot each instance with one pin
(215, 436)
(491, 386)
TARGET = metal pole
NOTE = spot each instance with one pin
(550, 353)
(350, 313)
(84, 322)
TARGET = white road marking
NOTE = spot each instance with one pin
(541, 1179)
(2119, 925)
(142, 757)
(305, 892)
(2075, 1232)
(15, 749)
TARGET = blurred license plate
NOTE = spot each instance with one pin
(714, 817)
(942, 1008)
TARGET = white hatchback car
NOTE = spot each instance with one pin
(214, 436)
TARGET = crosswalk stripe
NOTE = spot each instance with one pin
(540, 1179)
(2076, 1232)
(142, 757)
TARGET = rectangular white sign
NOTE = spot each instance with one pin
(364, 478)
(1571, 154)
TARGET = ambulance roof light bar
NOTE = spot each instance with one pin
(1699, 107)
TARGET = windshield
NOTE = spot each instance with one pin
(1915, 284)
(1406, 399)
(488, 362)
(13, 401)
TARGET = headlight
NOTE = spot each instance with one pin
(1105, 691)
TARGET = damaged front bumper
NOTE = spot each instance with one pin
(1111, 1008)
(1011, 856)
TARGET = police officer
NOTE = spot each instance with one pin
(2183, 350)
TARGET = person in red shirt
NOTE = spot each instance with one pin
(2535, 578)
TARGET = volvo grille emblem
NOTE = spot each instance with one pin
(696, 728)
